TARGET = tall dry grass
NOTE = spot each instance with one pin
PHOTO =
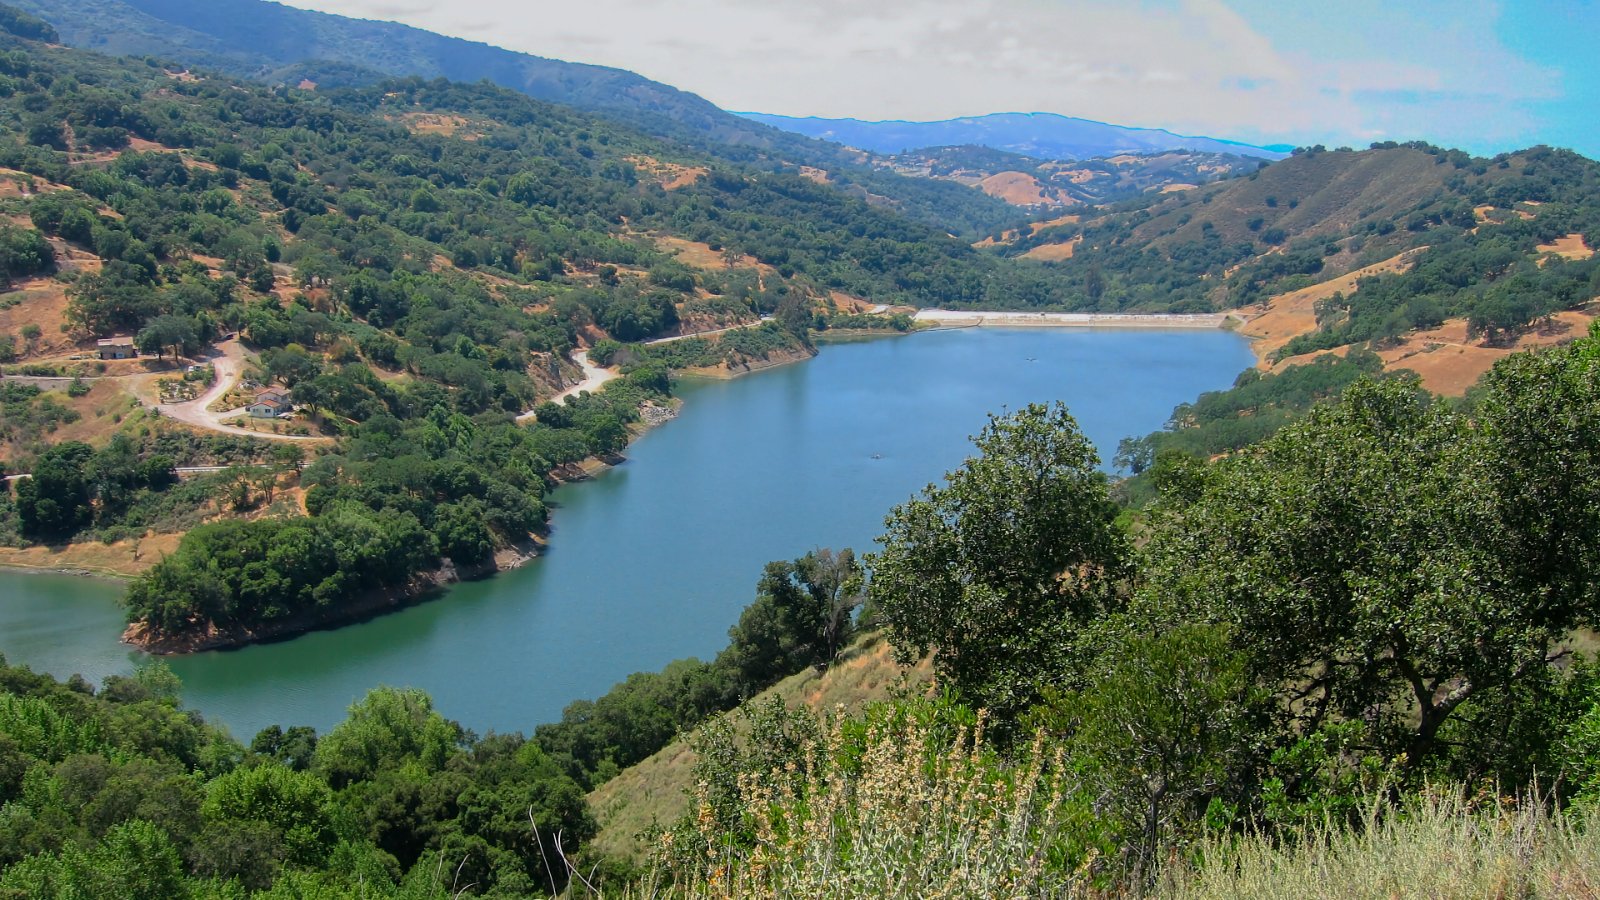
(1439, 845)
(911, 821)
(917, 818)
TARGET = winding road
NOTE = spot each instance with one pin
(228, 360)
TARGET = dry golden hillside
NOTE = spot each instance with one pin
(1447, 361)
(1287, 316)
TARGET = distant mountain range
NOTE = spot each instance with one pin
(1037, 184)
(1039, 135)
(268, 41)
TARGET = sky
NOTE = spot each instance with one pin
(1482, 76)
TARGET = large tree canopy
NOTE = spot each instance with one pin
(1388, 559)
(996, 570)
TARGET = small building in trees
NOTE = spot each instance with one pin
(270, 404)
(117, 347)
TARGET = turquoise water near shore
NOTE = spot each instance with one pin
(653, 560)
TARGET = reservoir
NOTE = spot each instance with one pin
(653, 560)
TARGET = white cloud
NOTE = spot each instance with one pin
(1189, 65)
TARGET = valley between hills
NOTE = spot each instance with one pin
(314, 329)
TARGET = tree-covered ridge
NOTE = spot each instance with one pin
(278, 44)
(542, 185)
(386, 275)
(19, 23)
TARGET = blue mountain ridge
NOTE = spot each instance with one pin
(1039, 135)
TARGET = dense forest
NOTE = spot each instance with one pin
(121, 792)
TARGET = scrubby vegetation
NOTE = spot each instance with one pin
(1256, 407)
(731, 349)
(803, 615)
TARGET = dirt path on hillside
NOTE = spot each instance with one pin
(594, 376)
(228, 361)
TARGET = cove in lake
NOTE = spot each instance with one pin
(654, 560)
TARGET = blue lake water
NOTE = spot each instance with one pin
(653, 560)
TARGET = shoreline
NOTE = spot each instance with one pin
(774, 360)
(420, 588)
(71, 571)
(950, 318)
(423, 587)
(433, 584)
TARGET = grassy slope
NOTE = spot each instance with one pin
(1446, 358)
(1334, 190)
(657, 790)
(1441, 847)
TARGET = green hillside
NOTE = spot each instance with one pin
(1322, 213)
(406, 288)
(1338, 638)
(277, 44)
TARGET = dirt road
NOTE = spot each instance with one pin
(228, 360)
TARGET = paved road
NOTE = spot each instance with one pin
(593, 377)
